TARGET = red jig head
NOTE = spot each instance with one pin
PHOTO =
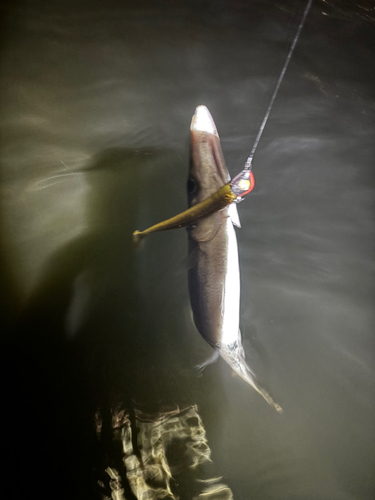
(243, 183)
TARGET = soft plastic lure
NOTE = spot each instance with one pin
(232, 192)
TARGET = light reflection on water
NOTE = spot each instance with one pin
(159, 455)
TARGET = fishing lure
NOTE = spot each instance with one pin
(231, 192)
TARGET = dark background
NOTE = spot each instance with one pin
(96, 103)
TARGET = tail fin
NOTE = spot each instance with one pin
(236, 360)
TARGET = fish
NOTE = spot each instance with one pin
(214, 274)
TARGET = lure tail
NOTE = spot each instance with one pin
(137, 237)
(236, 360)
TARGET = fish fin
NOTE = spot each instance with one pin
(233, 214)
(207, 228)
(212, 359)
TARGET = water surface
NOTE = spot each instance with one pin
(106, 92)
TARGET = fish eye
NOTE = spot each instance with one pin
(191, 185)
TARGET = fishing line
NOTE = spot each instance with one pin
(248, 164)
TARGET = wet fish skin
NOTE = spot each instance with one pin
(214, 276)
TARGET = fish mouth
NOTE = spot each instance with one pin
(208, 165)
(202, 121)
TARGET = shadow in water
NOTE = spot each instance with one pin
(84, 345)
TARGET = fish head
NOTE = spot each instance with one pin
(208, 171)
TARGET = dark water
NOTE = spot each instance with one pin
(107, 91)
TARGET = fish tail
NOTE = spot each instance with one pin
(238, 363)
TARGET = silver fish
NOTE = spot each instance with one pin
(214, 275)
